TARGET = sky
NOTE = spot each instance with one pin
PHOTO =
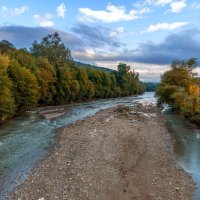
(146, 34)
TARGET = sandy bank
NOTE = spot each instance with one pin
(119, 154)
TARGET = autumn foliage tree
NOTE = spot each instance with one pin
(47, 75)
(180, 89)
(7, 104)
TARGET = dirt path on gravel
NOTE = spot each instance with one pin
(121, 153)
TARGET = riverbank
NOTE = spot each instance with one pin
(119, 153)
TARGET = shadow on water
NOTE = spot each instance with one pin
(187, 147)
(25, 140)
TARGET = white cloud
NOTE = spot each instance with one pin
(177, 6)
(45, 20)
(117, 32)
(152, 3)
(61, 10)
(111, 14)
(11, 12)
(160, 2)
(164, 26)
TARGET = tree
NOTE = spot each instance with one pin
(179, 88)
(52, 48)
(6, 47)
(25, 86)
(46, 77)
(7, 104)
(128, 80)
(25, 59)
(180, 76)
(123, 68)
(87, 90)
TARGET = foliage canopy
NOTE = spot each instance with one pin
(181, 89)
(47, 75)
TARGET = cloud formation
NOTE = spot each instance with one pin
(177, 6)
(25, 36)
(111, 14)
(117, 32)
(61, 10)
(183, 45)
(165, 26)
(12, 12)
(44, 20)
(97, 36)
(159, 2)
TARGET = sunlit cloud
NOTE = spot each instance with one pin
(177, 6)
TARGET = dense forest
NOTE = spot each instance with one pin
(180, 88)
(150, 86)
(47, 75)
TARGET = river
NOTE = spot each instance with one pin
(26, 139)
(187, 147)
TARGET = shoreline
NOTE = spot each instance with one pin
(119, 153)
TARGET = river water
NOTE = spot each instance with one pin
(26, 139)
(187, 147)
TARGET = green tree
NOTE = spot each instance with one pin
(123, 68)
(46, 77)
(6, 47)
(128, 80)
(25, 86)
(179, 88)
(7, 104)
(87, 89)
(52, 48)
(25, 59)
(179, 76)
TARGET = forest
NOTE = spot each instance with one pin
(46, 74)
(180, 88)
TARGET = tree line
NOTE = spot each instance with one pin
(47, 75)
(180, 88)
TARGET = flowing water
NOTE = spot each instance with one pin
(26, 139)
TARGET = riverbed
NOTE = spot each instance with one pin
(26, 139)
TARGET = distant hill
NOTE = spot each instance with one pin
(80, 64)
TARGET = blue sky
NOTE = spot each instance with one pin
(147, 34)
